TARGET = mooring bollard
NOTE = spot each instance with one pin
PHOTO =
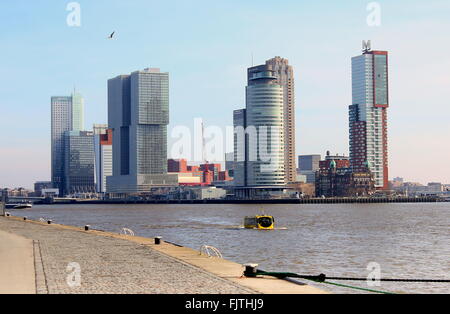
(49, 222)
(158, 240)
(250, 270)
(24, 218)
(86, 228)
(7, 214)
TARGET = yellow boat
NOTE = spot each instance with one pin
(262, 222)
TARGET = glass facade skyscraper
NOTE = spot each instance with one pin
(61, 116)
(265, 113)
(259, 131)
(138, 114)
(77, 112)
(239, 154)
(79, 162)
(67, 114)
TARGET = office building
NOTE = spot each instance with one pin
(79, 175)
(240, 147)
(265, 115)
(41, 185)
(66, 115)
(368, 114)
(61, 112)
(229, 164)
(259, 150)
(103, 155)
(177, 165)
(138, 114)
(309, 162)
(307, 167)
(77, 112)
(285, 77)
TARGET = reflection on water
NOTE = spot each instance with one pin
(407, 240)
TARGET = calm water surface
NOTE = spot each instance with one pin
(406, 240)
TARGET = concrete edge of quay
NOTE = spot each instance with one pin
(222, 268)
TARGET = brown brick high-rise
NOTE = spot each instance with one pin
(285, 75)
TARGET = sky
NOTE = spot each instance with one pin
(206, 46)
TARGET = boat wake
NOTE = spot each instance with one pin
(243, 228)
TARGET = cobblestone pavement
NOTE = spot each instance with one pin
(110, 265)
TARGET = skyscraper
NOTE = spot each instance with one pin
(138, 114)
(368, 114)
(103, 155)
(66, 112)
(264, 113)
(61, 122)
(77, 112)
(78, 162)
(240, 155)
(285, 77)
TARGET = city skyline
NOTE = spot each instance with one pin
(416, 135)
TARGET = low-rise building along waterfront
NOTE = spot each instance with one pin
(343, 182)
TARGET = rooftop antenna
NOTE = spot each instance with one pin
(252, 60)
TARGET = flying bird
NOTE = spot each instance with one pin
(111, 36)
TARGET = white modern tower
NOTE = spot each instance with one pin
(265, 153)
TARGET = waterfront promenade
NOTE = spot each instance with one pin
(40, 259)
(17, 274)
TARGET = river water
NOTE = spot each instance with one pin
(405, 240)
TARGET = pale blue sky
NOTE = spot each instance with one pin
(207, 46)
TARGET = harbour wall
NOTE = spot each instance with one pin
(354, 200)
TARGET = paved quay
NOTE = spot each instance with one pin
(118, 264)
(16, 264)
